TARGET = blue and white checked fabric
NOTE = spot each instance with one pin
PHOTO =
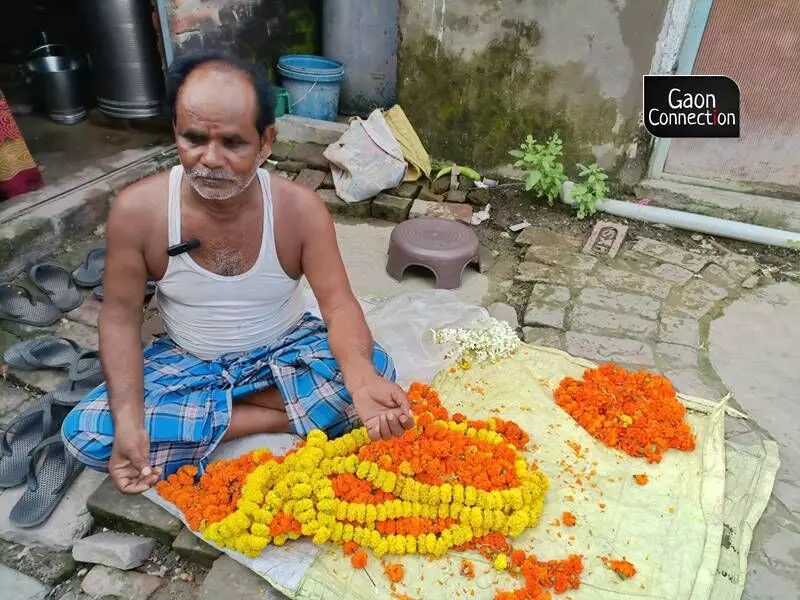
(188, 400)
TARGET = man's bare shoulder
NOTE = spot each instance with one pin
(139, 206)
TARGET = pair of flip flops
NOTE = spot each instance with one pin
(32, 451)
(55, 282)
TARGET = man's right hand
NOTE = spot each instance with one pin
(129, 465)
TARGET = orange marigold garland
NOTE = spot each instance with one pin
(639, 413)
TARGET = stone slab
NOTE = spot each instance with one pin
(623, 302)
(113, 549)
(87, 313)
(84, 334)
(539, 273)
(281, 150)
(609, 349)
(69, 522)
(546, 293)
(11, 398)
(290, 166)
(18, 586)
(670, 254)
(536, 236)
(597, 320)
(310, 154)
(692, 383)
(192, 548)
(696, 299)
(675, 356)
(51, 568)
(557, 256)
(671, 273)
(679, 330)
(739, 266)
(290, 175)
(391, 208)
(504, 312)
(310, 179)
(545, 316)
(151, 327)
(105, 581)
(441, 210)
(229, 579)
(337, 206)
(132, 514)
(628, 281)
(426, 194)
(294, 128)
(716, 275)
(605, 239)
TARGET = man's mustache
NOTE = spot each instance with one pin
(206, 173)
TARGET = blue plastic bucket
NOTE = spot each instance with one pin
(313, 83)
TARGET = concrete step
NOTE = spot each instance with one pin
(727, 204)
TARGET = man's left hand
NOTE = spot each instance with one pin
(383, 408)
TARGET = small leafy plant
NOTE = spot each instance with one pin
(544, 172)
(592, 188)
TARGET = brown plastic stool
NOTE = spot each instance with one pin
(443, 246)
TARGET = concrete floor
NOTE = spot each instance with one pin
(63, 150)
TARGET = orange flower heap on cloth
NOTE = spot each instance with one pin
(637, 413)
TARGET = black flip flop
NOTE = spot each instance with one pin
(56, 282)
(47, 484)
(44, 352)
(90, 273)
(85, 374)
(17, 305)
(23, 435)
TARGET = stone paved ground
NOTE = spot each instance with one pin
(690, 315)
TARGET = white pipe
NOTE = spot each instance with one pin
(694, 222)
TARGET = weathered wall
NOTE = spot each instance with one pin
(476, 76)
(257, 30)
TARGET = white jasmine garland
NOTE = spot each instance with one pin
(490, 340)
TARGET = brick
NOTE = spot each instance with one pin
(291, 166)
(537, 272)
(293, 128)
(605, 239)
(696, 299)
(620, 302)
(671, 273)
(442, 210)
(337, 206)
(310, 178)
(132, 513)
(310, 154)
(596, 320)
(391, 208)
(113, 549)
(229, 579)
(406, 190)
(557, 256)
(716, 275)
(547, 316)
(428, 196)
(632, 282)
(679, 330)
(536, 236)
(192, 548)
(281, 150)
(670, 254)
(609, 349)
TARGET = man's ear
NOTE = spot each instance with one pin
(267, 138)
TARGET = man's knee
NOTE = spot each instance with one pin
(90, 447)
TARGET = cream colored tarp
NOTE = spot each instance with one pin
(671, 528)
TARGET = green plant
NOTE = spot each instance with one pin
(793, 244)
(544, 172)
(586, 193)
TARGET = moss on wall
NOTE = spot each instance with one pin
(473, 110)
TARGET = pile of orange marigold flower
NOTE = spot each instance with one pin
(638, 413)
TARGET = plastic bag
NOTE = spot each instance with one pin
(366, 160)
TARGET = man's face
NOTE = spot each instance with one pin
(215, 128)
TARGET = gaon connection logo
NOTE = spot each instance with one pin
(691, 106)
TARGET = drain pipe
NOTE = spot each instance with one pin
(692, 222)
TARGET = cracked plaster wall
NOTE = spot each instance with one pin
(476, 76)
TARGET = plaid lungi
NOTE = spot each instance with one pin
(188, 401)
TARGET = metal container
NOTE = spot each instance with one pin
(126, 64)
(58, 78)
(362, 34)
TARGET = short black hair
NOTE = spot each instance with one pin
(181, 67)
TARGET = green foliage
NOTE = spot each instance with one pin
(544, 172)
(793, 244)
(593, 187)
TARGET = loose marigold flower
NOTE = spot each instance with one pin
(569, 519)
(395, 572)
(623, 568)
(359, 560)
(467, 568)
(641, 478)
